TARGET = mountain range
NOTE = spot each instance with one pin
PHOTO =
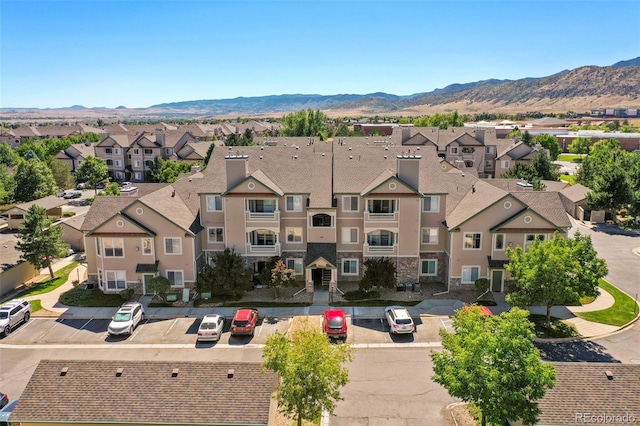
(579, 89)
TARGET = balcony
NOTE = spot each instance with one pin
(264, 250)
(262, 218)
(384, 217)
(379, 250)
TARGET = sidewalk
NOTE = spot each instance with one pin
(51, 307)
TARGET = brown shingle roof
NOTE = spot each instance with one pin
(576, 192)
(546, 204)
(49, 202)
(104, 208)
(147, 392)
(583, 388)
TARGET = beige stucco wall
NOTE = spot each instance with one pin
(72, 236)
(409, 234)
(234, 223)
(15, 276)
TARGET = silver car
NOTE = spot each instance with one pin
(13, 313)
(126, 319)
(210, 328)
(399, 320)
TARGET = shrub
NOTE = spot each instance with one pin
(361, 295)
(623, 213)
(75, 283)
(127, 294)
(68, 214)
(380, 272)
(482, 284)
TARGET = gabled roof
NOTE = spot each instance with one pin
(170, 205)
(75, 222)
(575, 193)
(546, 204)
(102, 209)
(147, 392)
(419, 139)
(259, 177)
(517, 151)
(384, 177)
(320, 251)
(122, 140)
(129, 219)
(479, 196)
(49, 202)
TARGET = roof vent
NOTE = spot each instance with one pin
(323, 154)
(174, 373)
(385, 157)
(297, 147)
(351, 157)
(119, 372)
(349, 148)
(63, 371)
(609, 374)
(230, 373)
(261, 157)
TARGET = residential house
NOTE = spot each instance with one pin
(516, 152)
(76, 154)
(97, 392)
(325, 207)
(52, 205)
(574, 200)
(72, 231)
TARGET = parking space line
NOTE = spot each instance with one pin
(175, 321)
(260, 329)
(81, 328)
(58, 322)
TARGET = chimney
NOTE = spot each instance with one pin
(409, 169)
(237, 167)
(160, 138)
(480, 135)
(406, 134)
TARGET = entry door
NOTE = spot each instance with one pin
(496, 280)
(145, 280)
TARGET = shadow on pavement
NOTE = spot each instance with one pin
(582, 351)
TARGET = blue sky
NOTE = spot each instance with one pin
(140, 53)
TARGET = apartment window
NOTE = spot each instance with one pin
(137, 163)
(113, 247)
(148, 151)
(488, 164)
(431, 204)
(321, 220)
(136, 151)
(295, 264)
(100, 278)
(470, 274)
(349, 266)
(499, 242)
(176, 278)
(472, 240)
(118, 163)
(530, 238)
(505, 164)
(350, 235)
(467, 150)
(137, 175)
(429, 235)
(216, 235)
(98, 243)
(109, 162)
(148, 163)
(380, 238)
(381, 206)
(116, 151)
(349, 203)
(147, 246)
(294, 235)
(262, 237)
(294, 203)
(453, 150)
(108, 151)
(116, 280)
(214, 203)
(168, 151)
(429, 267)
(488, 150)
(172, 245)
(261, 206)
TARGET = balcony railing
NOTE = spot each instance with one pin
(271, 249)
(381, 216)
(376, 250)
(263, 216)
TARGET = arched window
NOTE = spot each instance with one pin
(321, 220)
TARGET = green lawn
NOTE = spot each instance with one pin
(569, 157)
(568, 178)
(623, 310)
(50, 284)
(36, 305)
(90, 298)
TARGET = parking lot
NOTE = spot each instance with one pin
(184, 331)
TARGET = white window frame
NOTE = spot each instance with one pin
(108, 151)
(174, 272)
(347, 234)
(295, 263)
(116, 151)
(488, 164)
(116, 275)
(113, 246)
(118, 163)
(147, 151)
(489, 150)
(495, 242)
(431, 239)
(215, 204)
(98, 247)
(166, 239)
(136, 151)
(168, 151)
(435, 267)
(100, 278)
(138, 175)
(137, 163)
(144, 248)
(432, 198)
(526, 244)
(347, 203)
(470, 269)
(345, 261)
(453, 150)
(505, 164)
(295, 206)
(215, 241)
(472, 234)
(295, 230)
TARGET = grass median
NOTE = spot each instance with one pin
(623, 310)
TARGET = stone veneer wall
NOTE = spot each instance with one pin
(443, 267)
(407, 269)
(349, 255)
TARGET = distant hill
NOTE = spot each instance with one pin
(579, 89)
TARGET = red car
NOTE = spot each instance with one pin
(244, 322)
(334, 323)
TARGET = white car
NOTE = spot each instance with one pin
(126, 319)
(399, 320)
(210, 328)
(13, 313)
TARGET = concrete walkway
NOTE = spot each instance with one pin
(51, 307)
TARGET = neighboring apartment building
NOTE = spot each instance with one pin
(325, 208)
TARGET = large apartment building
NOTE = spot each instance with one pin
(324, 207)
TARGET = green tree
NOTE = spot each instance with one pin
(281, 276)
(28, 148)
(229, 276)
(610, 189)
(167, 171)
(580, 145)
(380, 272)
(543, 166)
(555, 272)
(33, 180)
(527, 138)
(92, 170)
(305, 123)
(8, 156)
(310, 370)
(342, 130)
(550, 143)
(209, 152)
(492, 362)
(527, 172)
(61, 173)
(7, 185)
(112, 189)
(40, 241)
(159, 285)
(603, 155)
